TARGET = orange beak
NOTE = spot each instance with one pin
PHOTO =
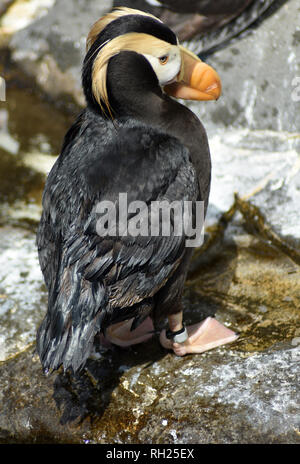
(196, 80)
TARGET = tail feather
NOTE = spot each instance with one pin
(67, 333)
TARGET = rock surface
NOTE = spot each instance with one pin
(221, 398)
(263, 167)
(246, 273)
(247, 392)
(20, 13)
(264, 94)
(260, 75)
(51, 49)
(22, 292)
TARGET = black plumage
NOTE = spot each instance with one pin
(209, 24)
(204, 7)
(154, 148)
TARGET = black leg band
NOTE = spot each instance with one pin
(178, 336)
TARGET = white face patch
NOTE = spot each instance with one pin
(166, 65)
(164, 58)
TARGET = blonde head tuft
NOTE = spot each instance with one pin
(108, 18)
(133, 41)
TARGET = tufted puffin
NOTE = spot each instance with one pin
(204, 7)
(188, 19)
(210, 24)
(134, 138)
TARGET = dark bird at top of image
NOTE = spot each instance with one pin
(207, 24)
(134, 139)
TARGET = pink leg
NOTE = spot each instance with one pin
(120, 333)
(201, 337)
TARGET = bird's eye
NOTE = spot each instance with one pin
(163, 59)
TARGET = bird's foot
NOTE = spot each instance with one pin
(121, 335)
(202, 337)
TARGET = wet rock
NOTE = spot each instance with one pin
(231, 402)
(256, 283)
(20, 13)
(27, 407)
(22, 292)
(260, 75)
(145, 394)
(246, 274)
(7, 142)
(253, 70)
(51, 50)
(260, 72)
(28, 148)
(245, 392)
(263, 168)
(220, 397)
(4, 4)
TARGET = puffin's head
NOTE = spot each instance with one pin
(178, 71)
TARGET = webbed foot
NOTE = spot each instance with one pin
(121, 335)
(201, 337)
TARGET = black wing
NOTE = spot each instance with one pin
(92, 280)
